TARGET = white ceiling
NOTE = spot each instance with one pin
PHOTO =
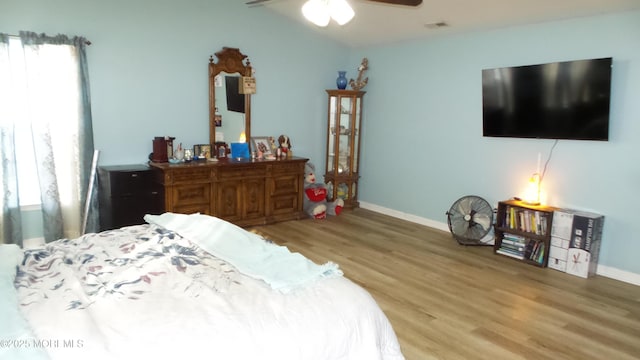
(376, 23)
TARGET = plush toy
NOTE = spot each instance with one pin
(315, 196)
(284, 143)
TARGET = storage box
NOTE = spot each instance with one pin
(562, 224)
(558, 254)
(560, 237)
(557, 264)
(585, 236)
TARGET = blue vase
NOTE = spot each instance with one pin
(341, 81)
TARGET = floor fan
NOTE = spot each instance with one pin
(470, 219)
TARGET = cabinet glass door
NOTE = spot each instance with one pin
(356, 136)
(344, 135)
(334, 122)
(343, 141)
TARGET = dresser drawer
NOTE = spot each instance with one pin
(284, 204)
(127, 182)
(192, 194)
(284, 184)
(236, 172)
(190, 175)
(287, 168)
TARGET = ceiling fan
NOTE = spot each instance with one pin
(320, 12)
(392, 2)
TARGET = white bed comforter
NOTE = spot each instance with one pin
(144, 292)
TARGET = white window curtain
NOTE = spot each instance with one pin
(55, 104)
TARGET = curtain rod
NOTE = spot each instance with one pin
(87, 42)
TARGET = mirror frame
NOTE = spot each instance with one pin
(230, 60)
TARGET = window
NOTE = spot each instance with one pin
(53, 104)
(29, 188)
(46, 124)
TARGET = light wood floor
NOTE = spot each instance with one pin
(447, 301)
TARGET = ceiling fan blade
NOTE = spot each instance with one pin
(400, 2)
(255, 2)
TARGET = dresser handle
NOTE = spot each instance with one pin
(134, 175)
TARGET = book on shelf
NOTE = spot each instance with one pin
(540, 258)
(514, 237)
(535, 251)
(513, 247)
(526, 220)
(509, 253)
(510, 242)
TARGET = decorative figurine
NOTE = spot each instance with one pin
(284, 143)
(360, 83)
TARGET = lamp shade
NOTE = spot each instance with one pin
(317, 12)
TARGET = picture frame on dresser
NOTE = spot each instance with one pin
(261, 144)
(220, 150)
(202, 151)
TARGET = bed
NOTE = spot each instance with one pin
(183, 286)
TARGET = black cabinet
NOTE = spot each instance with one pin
(126, 194)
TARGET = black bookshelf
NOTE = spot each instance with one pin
(523, 231)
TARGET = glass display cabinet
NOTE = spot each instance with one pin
(343, 145)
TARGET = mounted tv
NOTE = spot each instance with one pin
(235, 100)
(561, 100)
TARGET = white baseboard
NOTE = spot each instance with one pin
(606, 271)
(618, 274)
(405, 216)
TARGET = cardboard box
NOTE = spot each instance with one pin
(557, 264)
(562, 224)
(581, 263)
(584, 240)
(586, 230)
(559, 242)
(558, 254)
(575, 242)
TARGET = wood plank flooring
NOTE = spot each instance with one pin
(447, 301)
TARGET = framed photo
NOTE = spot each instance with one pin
(221, 150)
(261, 143)
(202, 151)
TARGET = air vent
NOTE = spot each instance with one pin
(436, 25)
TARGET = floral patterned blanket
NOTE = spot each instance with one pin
(146, 292)
(119, 264)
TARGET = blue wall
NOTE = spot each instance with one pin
(423, 130)
(422, 138)
(149, 60)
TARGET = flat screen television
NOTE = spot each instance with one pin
(561, 100)
(235, 100)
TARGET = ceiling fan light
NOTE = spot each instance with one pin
(341, 11)
(317, 12)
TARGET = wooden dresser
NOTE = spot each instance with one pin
(244, 192)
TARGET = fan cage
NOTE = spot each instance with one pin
(474, 232)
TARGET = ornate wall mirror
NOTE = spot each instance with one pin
(225, 111)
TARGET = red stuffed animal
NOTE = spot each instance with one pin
(315, 197)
